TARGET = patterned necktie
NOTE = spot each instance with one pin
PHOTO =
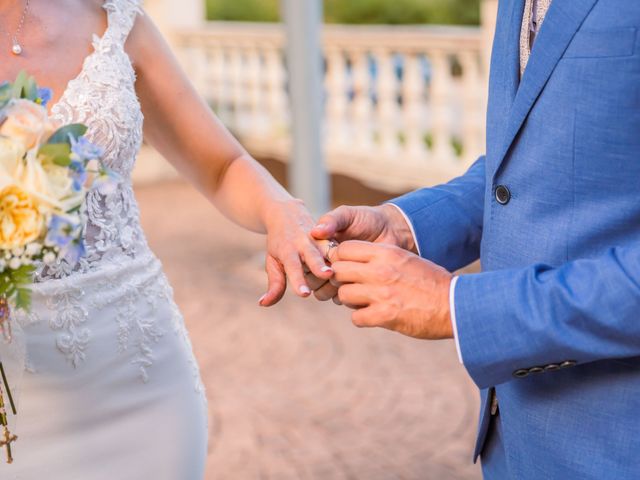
(535, 12)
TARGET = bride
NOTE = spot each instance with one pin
(111, 388)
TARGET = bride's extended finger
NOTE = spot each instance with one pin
(314, 260)
(326, 292)
(295, 273)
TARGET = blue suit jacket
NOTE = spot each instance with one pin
(561, 260)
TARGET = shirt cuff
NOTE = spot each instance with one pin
(452, 308)
(413, 232)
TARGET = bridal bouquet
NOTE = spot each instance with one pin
(45, 174)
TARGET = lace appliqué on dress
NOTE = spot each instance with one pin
(70, 317)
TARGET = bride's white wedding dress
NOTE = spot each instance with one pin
(111, 389)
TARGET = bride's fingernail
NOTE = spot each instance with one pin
(305, 290)
(327, 269)
(321, 226)
(262, 299)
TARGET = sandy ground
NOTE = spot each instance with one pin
(297, 392)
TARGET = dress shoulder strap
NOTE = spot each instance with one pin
(121, 16)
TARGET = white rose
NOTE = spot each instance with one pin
(11, 154)
(33, 179)
(27, 123)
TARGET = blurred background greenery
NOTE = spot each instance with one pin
(460, 12)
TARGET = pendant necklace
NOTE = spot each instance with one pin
(16, 48)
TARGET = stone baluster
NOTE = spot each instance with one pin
(238, 90)
(253, 74)
(276, 98)
(222, 92)
(472, 115)
(197, 64)
(336, 86)
(387, 111)
(362, 104)
(440, 107)
(413, 96)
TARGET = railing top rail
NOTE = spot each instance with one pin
(368, 37)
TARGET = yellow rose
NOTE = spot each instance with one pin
(27, 123)
(20, 219)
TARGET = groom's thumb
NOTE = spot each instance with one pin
(333, 222)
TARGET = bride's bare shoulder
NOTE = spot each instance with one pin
(145, 41)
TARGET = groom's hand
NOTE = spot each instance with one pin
(381, 224)
(391, 288)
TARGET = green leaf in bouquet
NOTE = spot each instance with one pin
(30, 89)
(19, 84)
(14, 285)
(23, 298)
(6, 90)
(61, 135)
(57, 153)
(23, 275)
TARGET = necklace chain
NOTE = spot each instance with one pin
(16, 48)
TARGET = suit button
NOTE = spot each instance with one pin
(536, 370)
(552, 367)
(521, 373)
(503, 195)
(568, 363)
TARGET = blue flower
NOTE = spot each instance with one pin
(84, 150)
(74, 251)
(106, 181)
(62, 231)
(78, 173)
(44, 96)
(66, 234)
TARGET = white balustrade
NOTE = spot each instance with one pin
(404, 106)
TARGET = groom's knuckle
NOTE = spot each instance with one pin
(343, 294)
(387, 313)
(393, 254)
(386, 294)
(341, 211)
(358, 319)
(384, 272)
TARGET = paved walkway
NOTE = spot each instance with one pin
(297, 392)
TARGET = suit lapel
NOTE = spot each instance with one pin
(504, 73)
(561, 23)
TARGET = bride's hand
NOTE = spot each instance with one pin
(289, 249)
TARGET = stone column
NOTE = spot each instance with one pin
(307, 174)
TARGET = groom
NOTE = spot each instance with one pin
(550, 331)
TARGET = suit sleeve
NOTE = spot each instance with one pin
(447, 219)
(584, 311)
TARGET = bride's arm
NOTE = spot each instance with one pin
(181, 126)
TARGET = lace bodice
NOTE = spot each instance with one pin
(103, 97)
